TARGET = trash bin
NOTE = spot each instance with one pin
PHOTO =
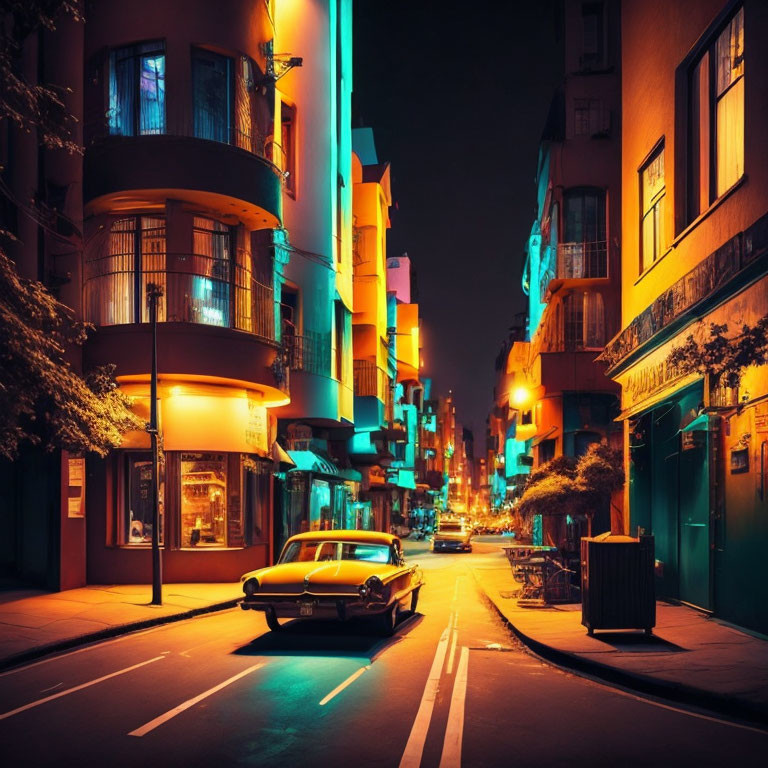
(617, 583)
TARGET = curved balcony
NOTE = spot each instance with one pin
(124, 172)
(215, 321)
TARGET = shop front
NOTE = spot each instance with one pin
(215, 489)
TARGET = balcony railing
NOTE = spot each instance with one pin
(248, 139)
(196, 289)
(582, 260)
(310, 353)
(370, 380)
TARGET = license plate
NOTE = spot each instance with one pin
(306, 609)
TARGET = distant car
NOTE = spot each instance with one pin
(335, 575)
(452, 536)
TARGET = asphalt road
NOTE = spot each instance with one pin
(450, 688)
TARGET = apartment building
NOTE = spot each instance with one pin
(695, 258)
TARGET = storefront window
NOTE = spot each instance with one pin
(138, 517)
(320, 511)
(205, 519)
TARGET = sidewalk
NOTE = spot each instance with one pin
(34, 623)
(691, 658)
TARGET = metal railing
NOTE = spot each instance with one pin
(310, 353)
(370, 380)
(250, 140)
(582, 260)
(196, 289)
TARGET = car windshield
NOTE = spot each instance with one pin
(451, 527)
(321, 551)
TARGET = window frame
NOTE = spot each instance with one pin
(289, 148)
(136, 56)
(686, 213)
(659, 198)
(231, 95)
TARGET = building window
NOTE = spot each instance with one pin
(716, 117)
(116, 281)
(339, 340)
(205, 514)
(137, 90)
(593, 45)
(584, 323)
(208, 299)
(653, 193)
(288, 144)
(590, 117)
(547, 450)
(583, 253)
(138, 500)
(212, 95)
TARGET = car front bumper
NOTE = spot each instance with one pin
(451, 546)
(314, 607)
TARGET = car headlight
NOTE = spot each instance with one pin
(251, 586)
(373, 589)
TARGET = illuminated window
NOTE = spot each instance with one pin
(653, 193)
(212, 95)
(716, 117)
(208, 287)
(582, 253)
(206, 518)
(137, 90)
(584, 321)
(117, 277)
(137, 519)
(288, 143)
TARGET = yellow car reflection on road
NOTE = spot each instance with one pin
(335, 575)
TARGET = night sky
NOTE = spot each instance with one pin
(457, 94)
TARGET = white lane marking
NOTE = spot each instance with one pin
(52, 688)
(77, 688)
(454, 730)
(96, 644)
(171, 713)
(339, 688)
(415, 746)
(449, 669)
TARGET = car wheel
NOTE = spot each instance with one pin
(272, 621)
(387, 621)
(414, 599)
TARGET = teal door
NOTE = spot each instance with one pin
(694, 535)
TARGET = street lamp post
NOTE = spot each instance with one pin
(154, 294)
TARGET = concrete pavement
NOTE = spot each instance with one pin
(34, 623)
(691, 658)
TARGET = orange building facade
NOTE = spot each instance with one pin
(695, 250)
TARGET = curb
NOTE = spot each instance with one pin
(38, 652)
(681, 693)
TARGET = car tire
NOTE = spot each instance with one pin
(272, 621)
(387, 621)
(414, 599)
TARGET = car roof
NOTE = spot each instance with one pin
(369, 537)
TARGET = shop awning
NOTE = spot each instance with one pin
(309, 461)
(699, 424)
(279, 456)
(351, 474)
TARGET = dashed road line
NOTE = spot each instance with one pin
(171, 713)
(339, 688)
(77, 688)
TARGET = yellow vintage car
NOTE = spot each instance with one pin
(335, 575)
